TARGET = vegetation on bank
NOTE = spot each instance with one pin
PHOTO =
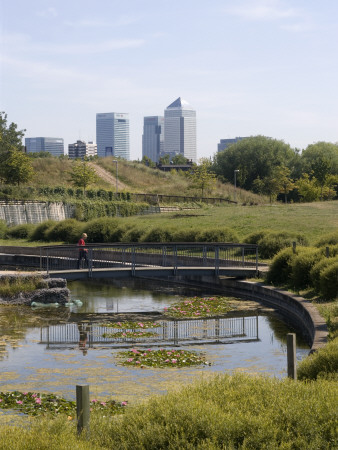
(10, 286)
(236, 411)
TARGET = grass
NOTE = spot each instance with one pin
(226, 412)
(11, 286)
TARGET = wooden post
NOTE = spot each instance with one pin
(82, 407)
(327, 252)
(294, 246)
(291, 355)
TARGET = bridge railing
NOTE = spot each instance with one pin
(172, 255)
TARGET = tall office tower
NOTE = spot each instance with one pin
(54, 146)
(112, 134)
(224, 143)
(153, 137)
(180, 130)
(81, 150)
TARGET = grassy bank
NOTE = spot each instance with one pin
(229, 412)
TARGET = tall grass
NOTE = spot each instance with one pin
(226, 412)
(11, 286)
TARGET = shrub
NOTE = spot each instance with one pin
(217, 235)
(328, 280)
(133, 235)
(102, 229)
(67, 231)
(280, 268)
(271, 243)
(189, 235)
(301, 266)
(40, 231)
(329, 239)
(254, 238)
(3, 229)
(317, 269)
(158, 234)
(22, 231)
(321, 364)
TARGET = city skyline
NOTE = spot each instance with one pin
(251, 67)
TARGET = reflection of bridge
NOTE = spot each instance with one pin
(169, 332)
(148, 260)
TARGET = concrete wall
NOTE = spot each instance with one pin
(17, 212)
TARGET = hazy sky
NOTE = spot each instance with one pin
(248, 67)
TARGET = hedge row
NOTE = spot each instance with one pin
(307, 267)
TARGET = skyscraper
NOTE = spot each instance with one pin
(54, 146)
(153, 137)
(112, 134)
(180, 129)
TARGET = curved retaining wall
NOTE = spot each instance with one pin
(298, 310)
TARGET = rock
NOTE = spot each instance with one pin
(54, 295)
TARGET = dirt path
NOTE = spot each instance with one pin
(107, 176)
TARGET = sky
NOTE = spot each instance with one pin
(247, 67)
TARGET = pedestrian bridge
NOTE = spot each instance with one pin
(151, 260)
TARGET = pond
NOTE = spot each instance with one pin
(44, 349)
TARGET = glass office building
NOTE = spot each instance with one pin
(153, 137)
(112, 135)
(54, 146)
(180, 130)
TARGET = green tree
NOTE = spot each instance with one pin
(165, 159)
(10, 136)
(308, 188)
(147, 161)
(16, 167)
(179, 159)
(254, 157)
(202, 176)
(82, 174)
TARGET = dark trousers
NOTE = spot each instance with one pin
(82, 255)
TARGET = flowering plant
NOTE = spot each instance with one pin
(196, 307)
(162, 358)
(35, 403)
(130, 334)
(128, 325)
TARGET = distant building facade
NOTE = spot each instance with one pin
(82, 149)
(153, 137)
(112, 135)
(224, 143)
(54, 146)
(180, 130)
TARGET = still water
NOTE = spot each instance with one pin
(45, 349)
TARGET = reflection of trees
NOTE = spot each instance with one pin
(281, 328)
(16, 320)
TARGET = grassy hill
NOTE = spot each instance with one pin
(134, 177)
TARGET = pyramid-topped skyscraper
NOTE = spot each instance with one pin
(180, 129)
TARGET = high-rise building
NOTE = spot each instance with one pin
(54, 146)
(180, 130)
(153, 137)
(82, 149)
(224, 143)
(112, 134)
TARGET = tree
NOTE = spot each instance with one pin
(165, 159)
(254, 157)
(202, 176)
(16, 167)
(308, 188)
(179, 159)
(82, 175)
(147, 161)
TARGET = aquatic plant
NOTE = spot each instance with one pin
(197, 307)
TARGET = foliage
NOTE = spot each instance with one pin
(308, 188)
(67, 231)
(321, 159)
(318, 268)
(41, 230)
(321, 364)
(130, 325)
(162, 358)
(129, 329)
(219, 234)
(179, 159)
(37, 403)
(3, 229)
(281, 267)
(147, 161)
(10, 136)
(158, 234)
(21, 231)
(301, 266)
(271, 243)
(102, 229)
(15, 167)
(82, 174)
(328, 280)
(201, 176)
(328, 239)
(199, 307)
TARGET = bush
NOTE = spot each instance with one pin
(329, 239)
(133, 235)
(102, 229)
(271, 243)
(22, 231)
(40, 231)
(189, 235)
(158, 234)
(321, 364)
(254, 238)
(3, 229)
(317, 269)
(280, 268)
(217, 235)
(67, 231)
(328, 280)
(301, 266)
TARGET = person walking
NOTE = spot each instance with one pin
(83, 252)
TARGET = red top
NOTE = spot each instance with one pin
(82, 243)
